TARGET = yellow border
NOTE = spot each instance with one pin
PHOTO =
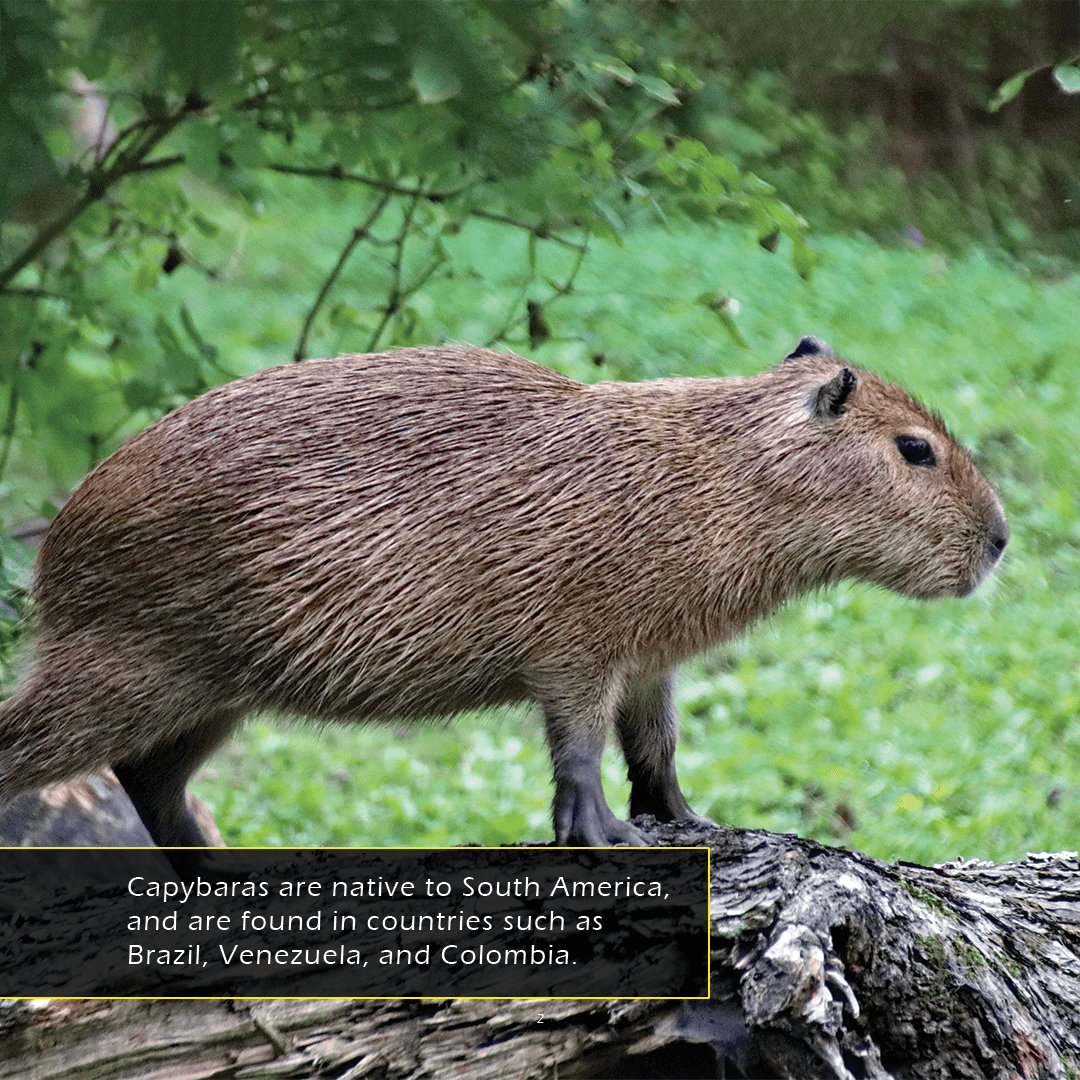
(437, 997)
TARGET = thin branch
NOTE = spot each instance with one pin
(7, 433)
(35, 294)
(565, 289)
(541, 231)
(113, 150)
(99, 181)
(421, 279)
(45, 237)
(157, 163)
(339, 172)
(393, 299)
(512, 318)
(359, 233)
(134, 142)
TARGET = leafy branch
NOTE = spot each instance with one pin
(338, 172)
(534, 310)
(416, 103)
(1066, 75)
(541, 231)
(397, 295)
(116, 164)
(360, 232)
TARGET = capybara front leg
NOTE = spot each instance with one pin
(648, 729)
(580, 811)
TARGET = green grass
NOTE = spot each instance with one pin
(906, 730)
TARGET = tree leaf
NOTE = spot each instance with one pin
(657, 88)
(204, 143)
(1009, 89)
(199, 42)
(651, 140)
(618, 69)
(207, 351)
(141, 394)
(725, 309)
(30, 186)
(145, 277)
(434, 77)
(803, 258)
(204, 225)
(1067, 77)
(614, 222)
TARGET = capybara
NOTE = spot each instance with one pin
(421, 532)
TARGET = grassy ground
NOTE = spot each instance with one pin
(905, 730)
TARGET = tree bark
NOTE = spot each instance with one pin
(825, 963)
(86, 813)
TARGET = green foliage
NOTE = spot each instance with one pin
(844, 177)
(189, 46)
(881, 117)
(413, 117)
(425, 786)
(1067, 76)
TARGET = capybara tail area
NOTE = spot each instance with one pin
(85, 705)
(46, 735)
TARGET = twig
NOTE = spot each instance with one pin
(359, 233)
(512, 318)
(339, 172)
(399, 293)
(99, 180)
(157, 163)
(394, 296)
(565, 289)
(35, 294)
(540, 231)
(7, 433)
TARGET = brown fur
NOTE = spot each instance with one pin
(421, 532)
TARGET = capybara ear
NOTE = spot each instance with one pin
(809, 346)
(830, 400)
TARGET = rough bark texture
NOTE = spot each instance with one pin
(85, 813)
(824, 964)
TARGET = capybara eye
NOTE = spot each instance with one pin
(916, 451)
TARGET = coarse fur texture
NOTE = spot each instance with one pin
(420, 532)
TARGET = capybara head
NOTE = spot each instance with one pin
(888, 495)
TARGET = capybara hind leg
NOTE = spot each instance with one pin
(156, 782)
(648, 729)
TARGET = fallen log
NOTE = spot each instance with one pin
(824, 963)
